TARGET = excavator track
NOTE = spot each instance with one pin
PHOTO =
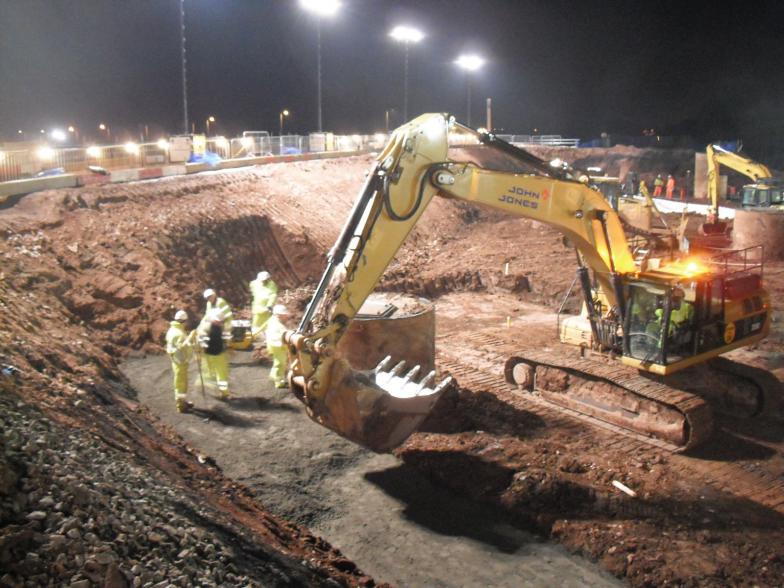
(613, 394)
(770, 393)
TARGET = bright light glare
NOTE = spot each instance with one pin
(58, 135)
(321, 7)
(693, 268)
(470, 62)
(71, 129)
(93, 151)
(163, 144)
(222, 142)
(102, 126)
(380, 137)
(44, 153)
(131, 148)
(246, 142)
(2, 156)
(285, 113)
(407, 34)
(211, 119)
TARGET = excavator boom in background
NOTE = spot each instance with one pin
(765, 191)
(661, 316)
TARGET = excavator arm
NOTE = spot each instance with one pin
(431, 155)
(717, 156)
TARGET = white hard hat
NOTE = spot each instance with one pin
(280, 310)
(209, 292)
(180, 315)
(263, 276)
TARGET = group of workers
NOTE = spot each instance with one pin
(660, 187)
(209, 341)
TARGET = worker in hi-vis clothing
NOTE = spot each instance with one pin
(276, 347)
(265, 293)
(214, 335)
(215, 355)
(215, 302)
(179, 346)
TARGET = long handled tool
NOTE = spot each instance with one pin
(197, 355)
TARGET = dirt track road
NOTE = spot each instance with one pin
(382, 514)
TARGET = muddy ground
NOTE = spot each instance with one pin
(385, 515)
(91, 276)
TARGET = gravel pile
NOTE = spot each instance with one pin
(76, 512)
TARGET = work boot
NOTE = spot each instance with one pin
(184, 406)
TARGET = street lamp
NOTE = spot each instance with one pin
(210, 119)
(406, 35)
(283, 113)
(320, 8)
(470, 64)
(184, 69)
(105, 128)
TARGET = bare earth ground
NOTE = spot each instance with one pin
(92, 274)
(384, 514)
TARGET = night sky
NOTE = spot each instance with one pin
(573, 68)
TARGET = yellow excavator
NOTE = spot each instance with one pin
(651, 324)
(766, 191)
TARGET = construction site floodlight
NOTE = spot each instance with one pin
(94, 151)
(131, 148)
(321, 7)
(58, 135)
(407, 34)
(162, 144)
(469, 62)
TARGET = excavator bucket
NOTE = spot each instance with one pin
(380, 409)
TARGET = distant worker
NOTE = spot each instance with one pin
(215, 302)
(631, 184)
(644, 189)
(265, 294)
(179, 346)
(276, 347)
(213, 342)
(683, 193)
(658, 185)
(670, 186)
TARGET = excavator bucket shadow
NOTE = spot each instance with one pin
(378, 410)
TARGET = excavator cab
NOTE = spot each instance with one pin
(674, 320)
(661, 322)
(764, 195)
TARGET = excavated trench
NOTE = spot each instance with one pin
(466, 501)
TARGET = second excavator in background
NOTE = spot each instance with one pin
(765, 191)
(653, 323)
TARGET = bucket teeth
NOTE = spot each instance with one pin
(382, 365)
(412, 373)
(445, 383)
(428, 380)
(398, 369)
(407, 384)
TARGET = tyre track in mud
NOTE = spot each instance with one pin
(759, 481)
